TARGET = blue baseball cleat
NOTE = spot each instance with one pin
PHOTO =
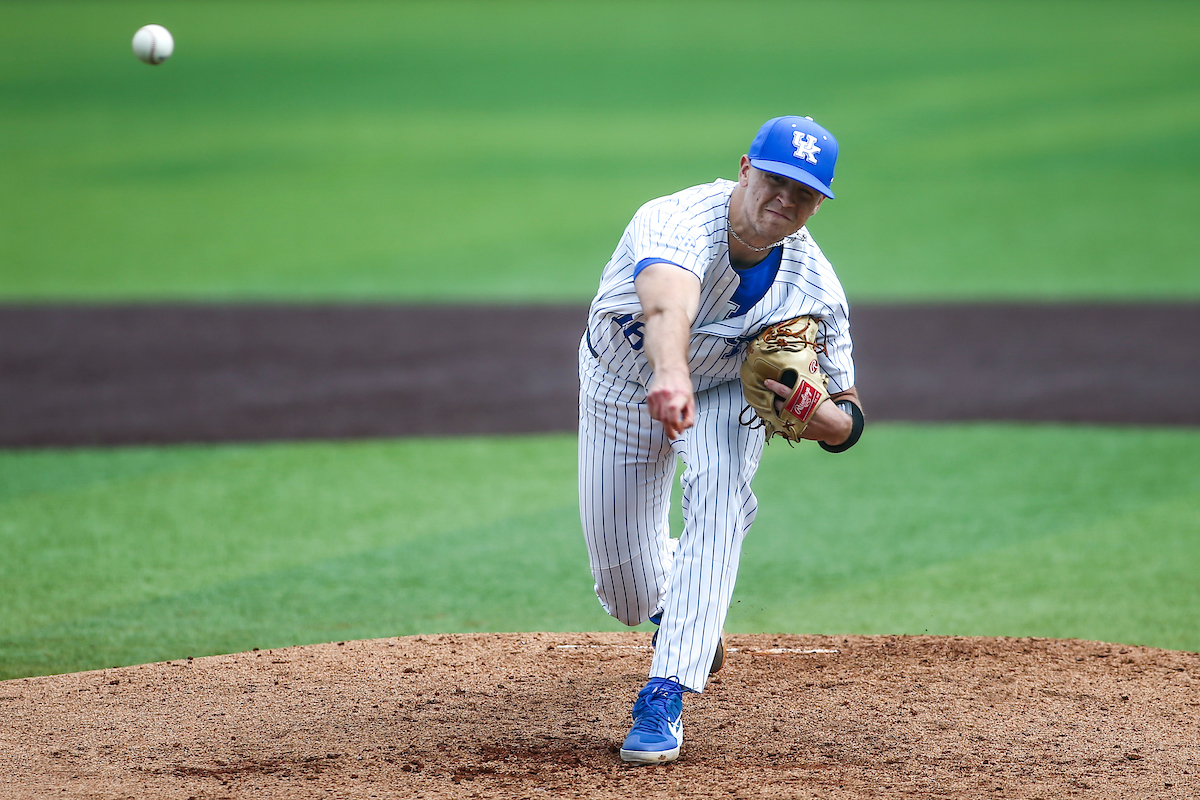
(657, 731)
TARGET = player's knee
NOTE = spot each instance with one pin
(632, 620)
(619, 610)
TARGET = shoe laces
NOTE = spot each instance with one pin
(654, 703)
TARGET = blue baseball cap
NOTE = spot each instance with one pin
(797, 148)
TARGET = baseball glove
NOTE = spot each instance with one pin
(785, 352)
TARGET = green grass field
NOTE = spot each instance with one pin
(494, 150)
(370, 150)
(141, 554)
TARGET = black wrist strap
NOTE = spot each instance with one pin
(856, 414)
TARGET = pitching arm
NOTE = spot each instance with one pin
(670, 298)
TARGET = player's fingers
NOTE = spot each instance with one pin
(662, 403)
(783, 390)
(677, 419)
(688, 417)
(675, 409)
(683, 419)
(664, 412)
(679, 422)
(660, 409)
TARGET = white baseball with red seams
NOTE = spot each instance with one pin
(153, 44)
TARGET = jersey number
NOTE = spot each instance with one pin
(634, 331)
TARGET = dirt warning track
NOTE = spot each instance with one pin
(107, 375)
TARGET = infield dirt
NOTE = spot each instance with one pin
(542, 715)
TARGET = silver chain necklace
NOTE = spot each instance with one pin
(752, 247)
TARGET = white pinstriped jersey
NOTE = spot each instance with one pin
(690, 229)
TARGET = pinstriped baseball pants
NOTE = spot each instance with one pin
(626, 469)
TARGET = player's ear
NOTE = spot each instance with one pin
(744, 171)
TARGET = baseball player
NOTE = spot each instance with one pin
(695, 276)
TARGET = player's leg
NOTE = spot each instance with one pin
(626, 467)
(719, 507)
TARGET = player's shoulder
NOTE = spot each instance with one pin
(702, 202)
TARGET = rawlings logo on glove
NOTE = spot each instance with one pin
(785, 352)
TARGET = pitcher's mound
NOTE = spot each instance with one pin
(542, 715)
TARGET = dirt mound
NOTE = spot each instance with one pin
(541, 715)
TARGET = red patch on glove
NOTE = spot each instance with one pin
(804, 402)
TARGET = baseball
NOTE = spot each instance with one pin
(153, 44)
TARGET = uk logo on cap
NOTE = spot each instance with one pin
(806, 147)
(797, 148)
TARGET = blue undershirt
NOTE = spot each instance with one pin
(753, 282)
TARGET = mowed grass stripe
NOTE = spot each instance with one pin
(517, 573)
(206, 515)
(1130, 579)
(955, 529)
(490, 151)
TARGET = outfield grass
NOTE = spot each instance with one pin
(122, 556)
(495, 150)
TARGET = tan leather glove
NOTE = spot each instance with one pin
(785, 352)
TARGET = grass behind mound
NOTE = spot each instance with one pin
(368, 150)
(111, 557)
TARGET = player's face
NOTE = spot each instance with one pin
(774, 206)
